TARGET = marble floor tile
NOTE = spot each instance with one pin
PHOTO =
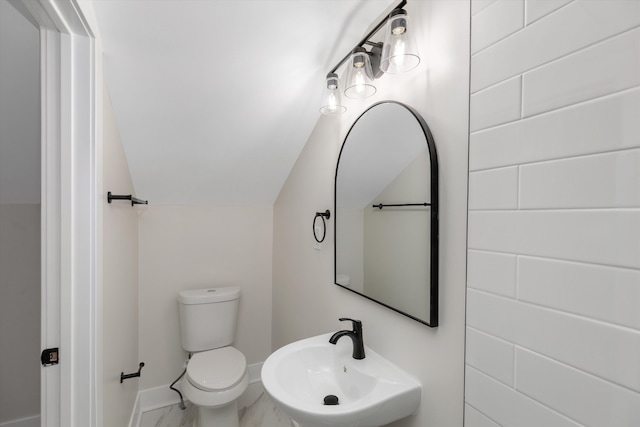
(264, 413)
(170, 416)
(255, 409)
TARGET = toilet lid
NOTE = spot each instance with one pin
(216, 370)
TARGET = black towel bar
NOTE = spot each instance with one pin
(380, 206)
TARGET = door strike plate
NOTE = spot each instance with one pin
(49, 357)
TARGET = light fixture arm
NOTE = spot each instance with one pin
(372, 44)
(365, 40)
(375, 55)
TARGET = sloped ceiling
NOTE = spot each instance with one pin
(215, 99)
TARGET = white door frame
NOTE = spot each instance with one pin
(70, 393)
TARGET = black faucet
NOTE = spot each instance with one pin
(355, 335)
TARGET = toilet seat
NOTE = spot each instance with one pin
(217, 370)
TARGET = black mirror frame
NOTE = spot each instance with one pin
(434, 219)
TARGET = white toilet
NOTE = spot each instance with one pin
(216, 373)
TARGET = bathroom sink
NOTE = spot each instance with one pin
(371, 392)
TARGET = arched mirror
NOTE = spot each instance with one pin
(386, 212)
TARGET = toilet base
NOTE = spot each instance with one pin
(222, 416)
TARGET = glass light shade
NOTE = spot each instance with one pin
(359, 75)
(399, 51)
(331, 99)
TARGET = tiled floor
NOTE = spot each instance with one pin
(255, 410)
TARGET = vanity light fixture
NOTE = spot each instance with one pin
(331, 99)
(397, 53)
(359, 75)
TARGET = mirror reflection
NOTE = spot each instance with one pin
(386, 243)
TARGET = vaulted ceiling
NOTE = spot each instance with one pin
(215, 99)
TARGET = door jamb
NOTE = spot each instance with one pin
(70, 392)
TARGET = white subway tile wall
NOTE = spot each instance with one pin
(478, 5)
(494, 189)
(553, 300)
(604, 68)
(507, 406)
(491, 355)
(492, 272)
(497, 105)
(477, 418)
(535, 10)
(496, 22)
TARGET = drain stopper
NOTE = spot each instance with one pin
(330, 399)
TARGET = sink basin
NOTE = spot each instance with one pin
(371, 392)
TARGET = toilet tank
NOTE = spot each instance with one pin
(208, 317)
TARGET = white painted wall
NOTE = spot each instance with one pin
(19, 108)
(191, 247)
(305, 301)
(19, 216)
(19, 311)
(119, 278)
(553, 327)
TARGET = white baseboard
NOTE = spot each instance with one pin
(254, 372)
(159, 397)
(150, 399)
(136, 414)
(33, 421)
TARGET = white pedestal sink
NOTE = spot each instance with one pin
(371, 392)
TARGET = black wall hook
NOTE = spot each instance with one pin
(326, 214)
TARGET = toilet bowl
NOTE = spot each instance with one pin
(213, 382)
(217, 373)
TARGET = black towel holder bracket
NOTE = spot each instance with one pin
(134, 200)
(124, 376)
